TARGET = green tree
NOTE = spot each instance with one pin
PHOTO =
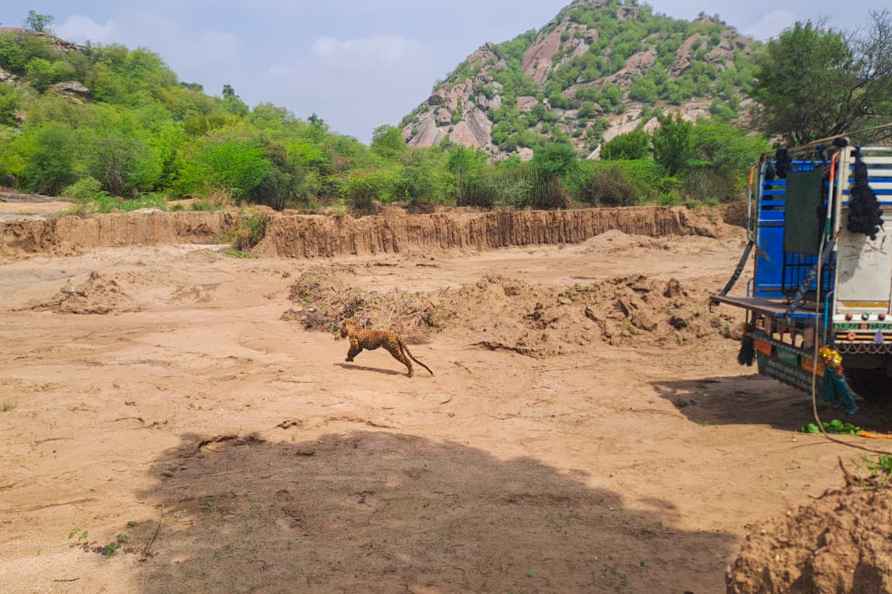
(116, 160)
(814, 82)
(233, 103)
(282, 183)
(632, 145)
(388, 142)
(644, 89)
(672, 144)
(9, 105)
(237, 166)
(720, 157)
(472, 187)
(37, 22)
(43, 73)
(550, 163)
(50, 163)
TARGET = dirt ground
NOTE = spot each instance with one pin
(15, 211)
(165, 431)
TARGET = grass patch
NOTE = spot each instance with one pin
(81, 539)
(6, 407)
(104, 204)
(213, 201)
(236, 253)
(881, 466)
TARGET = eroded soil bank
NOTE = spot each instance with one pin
(308, 236)
(298, 236)
(70, 234)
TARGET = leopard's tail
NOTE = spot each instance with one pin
(411, 356)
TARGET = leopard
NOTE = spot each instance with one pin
(370, 340)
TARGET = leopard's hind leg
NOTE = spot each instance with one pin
(397, 352)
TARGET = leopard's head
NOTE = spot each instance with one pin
(346, 327)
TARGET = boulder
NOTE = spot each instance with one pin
(71, 88)
(443, 117)
(526, 104)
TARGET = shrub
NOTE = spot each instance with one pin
(213, 200)
(720, 157)
(250, 231)
(472, 186)
(43, 73)
(645, 178)
(609, 186)
(388, 142)
(672, 144)
(644, 89)
(103, 202)
(361, 190)
(120, 163)
(549, 165)
(50, 161)
(9, 104)
(85, 189)
(478, 190)
(235, 166)
(547, 192)
(283, 182)
(633, 145)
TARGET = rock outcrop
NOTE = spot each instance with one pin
(71, 89)
(542, 80)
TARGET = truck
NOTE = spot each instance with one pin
(819, 303)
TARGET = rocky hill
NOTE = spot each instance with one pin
(598, 69)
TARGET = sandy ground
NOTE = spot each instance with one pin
(226, 450)
(17, 211)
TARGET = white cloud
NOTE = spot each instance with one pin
(356, 84)
(771, 24)
(82, 29)
(386, 48)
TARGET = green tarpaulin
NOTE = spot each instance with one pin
(801, 225)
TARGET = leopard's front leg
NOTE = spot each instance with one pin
(355, 349)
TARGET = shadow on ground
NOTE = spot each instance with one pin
(382, 371)
(758, 400)
(382, 512)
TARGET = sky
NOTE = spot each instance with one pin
(356, 63)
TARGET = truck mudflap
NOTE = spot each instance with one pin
(797, 368)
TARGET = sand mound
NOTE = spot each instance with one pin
(508, 314)
(98, 295)
(840, 543)
(195, 294)
(203, 256)
(615, 242)
(323, 299)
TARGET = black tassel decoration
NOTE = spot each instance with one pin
(782, 163)
(865, 213)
